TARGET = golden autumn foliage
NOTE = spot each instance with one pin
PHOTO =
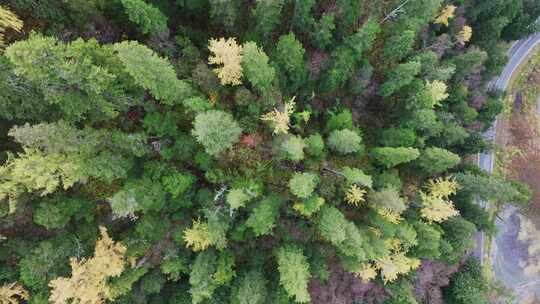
(198, 236)
(436, 209)
(281, 119)
(355, 195)
(13, 293)
(442, 187)
(464, 35)
(436, 205)
(446, 14)
(395, 264)
(88, 281)
(367, 272)
(8, 20)
(228, 53)
(389, 215)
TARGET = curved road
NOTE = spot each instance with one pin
(507, 252)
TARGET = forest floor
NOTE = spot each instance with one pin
(515, 258)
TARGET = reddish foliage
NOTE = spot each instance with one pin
(134, 116)
(250, 140)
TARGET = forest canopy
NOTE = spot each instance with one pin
(267, 151)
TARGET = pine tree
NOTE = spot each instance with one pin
(391, 157)
(266, 14)
(256, 68)
(294, 272)
(264, 216)
(399, 46)
(437, 160)
(77, 77)
(138, 195)
(251, 288)
(290, 62)
(148, 17)
(399, 77)
(152, 72)
(201, 276)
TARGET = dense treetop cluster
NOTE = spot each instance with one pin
(209, 151)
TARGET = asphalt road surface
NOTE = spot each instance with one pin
(507, 252)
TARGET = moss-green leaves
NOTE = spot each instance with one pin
(345, 141)
(294, 272)
(216, 130)
(152, 72)
(303, 184)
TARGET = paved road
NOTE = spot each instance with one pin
(508, 253)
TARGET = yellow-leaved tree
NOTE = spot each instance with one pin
(367, 272)
(436, 205)
(389, 215)
(464, 35)
(198, 236)
(395, 264)
(355, 195)
(446, 14)
(8, 20)
(391, 265)
(228, 54)
(442, 187)
(88, 281)
(13, 293)
(281, 119)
